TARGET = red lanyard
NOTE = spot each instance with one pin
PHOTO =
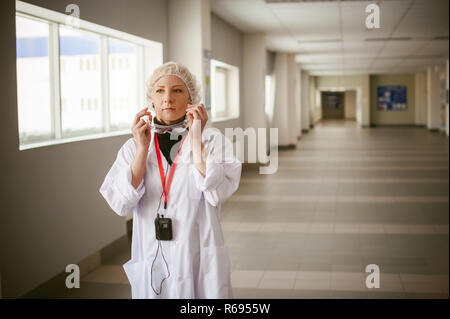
(161, 169)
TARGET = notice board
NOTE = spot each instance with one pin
(392, 98)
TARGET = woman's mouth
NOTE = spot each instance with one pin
(169, 109)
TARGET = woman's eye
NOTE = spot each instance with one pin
(178, 90)
(158, 90)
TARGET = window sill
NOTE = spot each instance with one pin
(224, 119)
(73, 139)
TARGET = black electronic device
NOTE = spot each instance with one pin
(163, 228)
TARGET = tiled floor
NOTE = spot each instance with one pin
(345, 198)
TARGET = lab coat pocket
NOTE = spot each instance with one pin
(138, 275)
(215, 280)
(183, 271)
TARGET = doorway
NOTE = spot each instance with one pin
(333, 105)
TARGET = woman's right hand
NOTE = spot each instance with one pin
(141, 130)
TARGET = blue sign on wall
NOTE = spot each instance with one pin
(392, 98)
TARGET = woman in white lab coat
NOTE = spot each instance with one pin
(193, 262)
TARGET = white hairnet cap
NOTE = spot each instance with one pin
(179, 70)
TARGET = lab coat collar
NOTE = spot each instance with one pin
(183, 157)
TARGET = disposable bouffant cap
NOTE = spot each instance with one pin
(179, 70)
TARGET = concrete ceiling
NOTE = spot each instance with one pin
(331, 38)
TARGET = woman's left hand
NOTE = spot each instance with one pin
(194, 113)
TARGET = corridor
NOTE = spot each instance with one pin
(354, 95)
(345, 198)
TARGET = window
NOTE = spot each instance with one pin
(77, 83)
(33, 80)
(123, 82)
(220, 100)
(224, 91)
(268, 97)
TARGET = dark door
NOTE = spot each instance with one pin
(333, 105)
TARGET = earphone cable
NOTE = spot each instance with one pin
(159, 245)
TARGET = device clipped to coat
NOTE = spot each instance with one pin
(163, 228)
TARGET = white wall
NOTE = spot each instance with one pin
(186, 18)
(446, 107)
(281, 105)
(286, 114)
(318, 105)
(312, 100)
(226, 46)
(299, 100)
(253, 78)
(434, 74)
(293, 107)
(350, 105)
(305, 98)
(421, 97)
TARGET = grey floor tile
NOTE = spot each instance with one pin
(310, 294)
(89, 290)
(349, 295)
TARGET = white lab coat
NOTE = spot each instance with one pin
(197, 257)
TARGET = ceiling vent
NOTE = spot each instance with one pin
(388, 39)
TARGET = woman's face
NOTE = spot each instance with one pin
(170, 97)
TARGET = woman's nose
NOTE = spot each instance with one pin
(168, 97)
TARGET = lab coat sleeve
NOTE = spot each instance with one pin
(117, 189)
(223, 171)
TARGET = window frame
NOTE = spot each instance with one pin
(149, 56)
